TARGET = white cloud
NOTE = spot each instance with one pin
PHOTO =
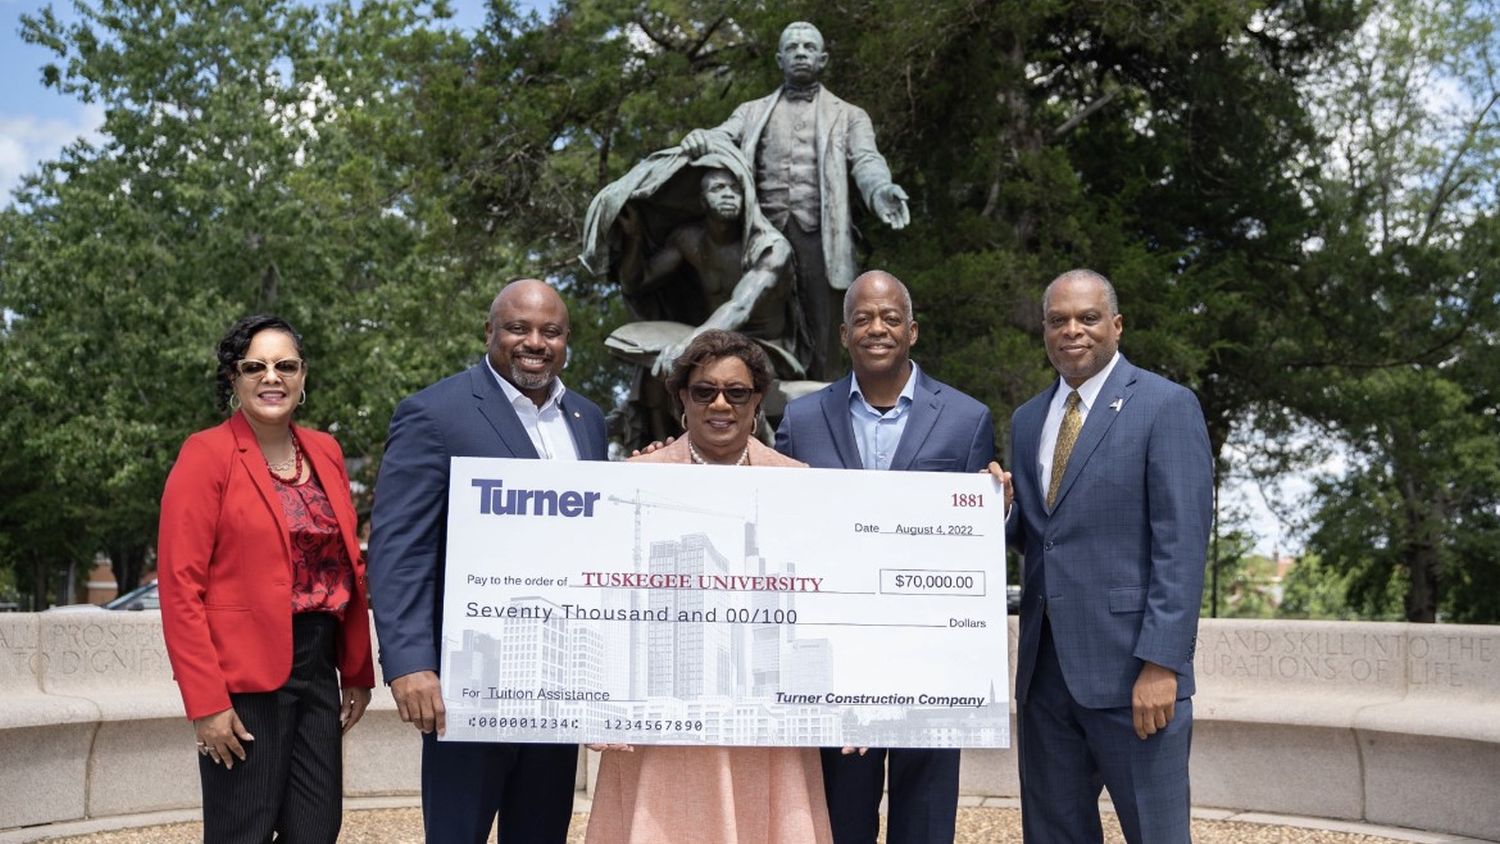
(26, 141)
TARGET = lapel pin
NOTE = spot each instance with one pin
(577, 415)
(1117, 404)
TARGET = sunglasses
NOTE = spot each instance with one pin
(252, 368)
(702, 393)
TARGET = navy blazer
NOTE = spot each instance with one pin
(947, 431)
(1117, 564)
(464, 415)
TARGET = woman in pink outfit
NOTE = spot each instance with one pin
(733, 795)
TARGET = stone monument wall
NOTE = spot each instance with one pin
(1386, 723)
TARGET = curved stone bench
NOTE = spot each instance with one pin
(44, 739)
(1395, 724)
(91, 723)
(1384, 723)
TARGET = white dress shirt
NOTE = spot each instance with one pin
(546, 425)
(1088, 393)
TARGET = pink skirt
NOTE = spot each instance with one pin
(731, 795)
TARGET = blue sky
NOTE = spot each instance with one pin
(37, 122)
(34, 122)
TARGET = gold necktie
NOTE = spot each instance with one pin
(1067, 435)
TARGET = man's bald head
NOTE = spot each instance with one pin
(531, 290)
(878, 329)
(1081, 325)
(1083, 276)
(526, 336)
(876, 280)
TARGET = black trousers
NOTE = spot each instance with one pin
(465, 784)
(822, 306)
(290, 787)
(922, 803)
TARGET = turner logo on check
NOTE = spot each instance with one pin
(496, 500)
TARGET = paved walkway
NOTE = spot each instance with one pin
(989, 821)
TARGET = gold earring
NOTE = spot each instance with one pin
(302, 400)
(234, 401)
(682, 420)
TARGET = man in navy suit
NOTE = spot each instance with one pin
(888, 414)
(511, 404)
(1113, 497)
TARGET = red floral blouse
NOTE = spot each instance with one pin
(322, 575)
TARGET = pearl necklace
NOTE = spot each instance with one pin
(698, 458)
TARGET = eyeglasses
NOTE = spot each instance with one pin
(704, 393)
(252, 368)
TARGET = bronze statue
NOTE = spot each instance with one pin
(805, 144)
(684, 239)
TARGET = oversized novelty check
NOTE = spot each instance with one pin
(671, 604)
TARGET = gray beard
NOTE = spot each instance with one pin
(527, 381)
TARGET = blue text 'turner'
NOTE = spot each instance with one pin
(493, 500)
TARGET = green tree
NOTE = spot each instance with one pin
(258, 157)
(1318, 591)
(1160, 144)
(1395, 310)
(1296, 232)
(39, 532)
(1244, 579)
(1166, 143)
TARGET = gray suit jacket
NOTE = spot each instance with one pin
(463, 415)
(1117, 564)
(846, 147)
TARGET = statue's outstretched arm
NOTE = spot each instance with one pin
(736, 312)
(873, 176)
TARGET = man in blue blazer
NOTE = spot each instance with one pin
(1113, 498)
(511, 404)
(888, 414)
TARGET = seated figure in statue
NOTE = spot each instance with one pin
(687, 244)
(751, 297)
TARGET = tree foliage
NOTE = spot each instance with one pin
(1296, 231)
(1395, 312)
(257, 158)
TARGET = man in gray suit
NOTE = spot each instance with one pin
(805, 145)
(1113, 497)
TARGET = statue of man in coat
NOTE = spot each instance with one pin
(805, 144)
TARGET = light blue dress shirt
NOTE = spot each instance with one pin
(877, 434)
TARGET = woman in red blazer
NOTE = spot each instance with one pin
(263, 599)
